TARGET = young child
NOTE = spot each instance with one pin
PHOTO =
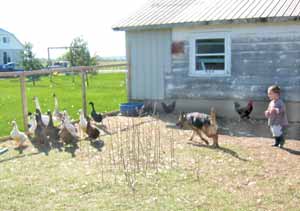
(276, 114)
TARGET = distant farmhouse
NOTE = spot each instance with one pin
(207, 53)
(10, 48)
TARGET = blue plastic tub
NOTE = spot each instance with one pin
(130, 109)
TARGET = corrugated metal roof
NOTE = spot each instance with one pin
(166, 13)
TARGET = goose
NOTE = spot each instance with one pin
(68, 132)
(92, 132)
(57, 115)
(97, 117)
(31, 123)
(68, 125)
(82, 123)
(45, 118)
(51, 130)
(40, 130)
(18, 136)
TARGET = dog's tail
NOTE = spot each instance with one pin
(213, 116)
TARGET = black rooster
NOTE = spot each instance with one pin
(97, 117)
(244, 112)
(168, 108)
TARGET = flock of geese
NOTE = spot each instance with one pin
(57, 126)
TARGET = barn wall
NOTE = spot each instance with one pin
(148, 55)
(261, 55)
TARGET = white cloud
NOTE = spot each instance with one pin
(50, 23)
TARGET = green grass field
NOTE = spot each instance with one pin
(107, 91)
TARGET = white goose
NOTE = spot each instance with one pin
(45, 118)
(18, 136)
(68, 125)
(57, 115)
(82, 123)
(32, 123)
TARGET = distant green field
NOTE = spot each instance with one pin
(107, 91)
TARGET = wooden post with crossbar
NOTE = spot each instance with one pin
(24, 101)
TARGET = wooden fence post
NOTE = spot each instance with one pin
(83, 90)
(24, 101)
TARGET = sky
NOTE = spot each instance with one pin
(51, 23)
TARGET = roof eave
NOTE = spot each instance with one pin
(214, 22)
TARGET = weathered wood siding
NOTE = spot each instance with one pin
(149, 58)
(261, 55)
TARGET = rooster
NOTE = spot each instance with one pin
(168, 108)
(244, 112)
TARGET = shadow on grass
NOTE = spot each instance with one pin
(71, 148)
(19, 156)
(291, 151)
(222, 149)
(41, 147)
(56, 144)
(20, 149)
(97, 144)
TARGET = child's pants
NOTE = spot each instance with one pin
(276, 130)
(278, 134)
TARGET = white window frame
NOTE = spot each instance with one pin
(227, 54)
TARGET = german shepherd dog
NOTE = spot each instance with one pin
(200, 123)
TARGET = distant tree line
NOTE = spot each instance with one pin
(77, 55)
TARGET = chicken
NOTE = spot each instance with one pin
(168, 108)
(18, 136)
(244, 112)
(97, 117)
(149, 108)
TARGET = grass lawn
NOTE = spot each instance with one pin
(107, 91)
(152, 167)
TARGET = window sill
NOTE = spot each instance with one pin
(207, 75)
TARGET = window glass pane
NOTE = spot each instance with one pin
(207, 46)
(5, 58)
(210, 63)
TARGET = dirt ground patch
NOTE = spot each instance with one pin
(245, 173)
